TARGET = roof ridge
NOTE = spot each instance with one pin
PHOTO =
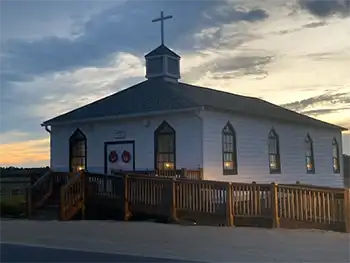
(219, 91)
(161, 49)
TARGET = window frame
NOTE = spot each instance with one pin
(308, 142)
(336, 160)
(224, 134)
(158, 132)
(274, 136)
(76, 138)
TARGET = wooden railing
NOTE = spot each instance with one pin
(180, 173)
(193, 174)
(38, 193)
(72, 196)
(105, 184)
(252, 204)
(224, 203)
(149, 194)
(62, 178)
(319, 207)
(201, 201)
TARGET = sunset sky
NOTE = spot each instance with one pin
(58, 55)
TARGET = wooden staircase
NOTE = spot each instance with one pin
(57, 196)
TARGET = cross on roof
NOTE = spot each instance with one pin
(161, 19)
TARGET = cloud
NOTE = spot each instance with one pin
(318, 112)
(327, 103)
(230, 66)
(314, 24)
(330, 56)
(116, 30)
(308, 25)
(40, 19)
(326, 8)
(240, 66)
(48, 96)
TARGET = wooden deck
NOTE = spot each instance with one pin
(206, 202)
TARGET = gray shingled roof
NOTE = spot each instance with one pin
(162, 50)
(160, 95)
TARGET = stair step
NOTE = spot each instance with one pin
(50, 208)
(46, 215)
(52, 202)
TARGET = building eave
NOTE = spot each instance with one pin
(52, 122)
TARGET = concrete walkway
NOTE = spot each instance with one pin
(194, 243)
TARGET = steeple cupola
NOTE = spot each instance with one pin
(162, 62)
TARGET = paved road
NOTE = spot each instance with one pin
(147, 241)
(24, 253)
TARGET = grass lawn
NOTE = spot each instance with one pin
(13, 199)
(13, 205)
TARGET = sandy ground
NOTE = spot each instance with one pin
(199, 243)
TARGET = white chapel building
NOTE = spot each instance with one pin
(162, 123)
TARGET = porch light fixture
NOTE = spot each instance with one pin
(228, 164)
(169, 165)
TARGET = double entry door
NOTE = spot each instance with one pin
(119, 156)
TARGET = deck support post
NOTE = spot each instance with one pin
(29, 201)
(229, 205)
(125, 199)
(274, 205)
(173, 215)
(85, 183)
(183, 173)
(347, 210)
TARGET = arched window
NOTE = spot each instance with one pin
(164, 147)
(229, 150)
(77, 151)
(274, 152)
(309, 155)
(336, 157)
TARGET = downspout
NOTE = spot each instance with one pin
(47, 128)
(49, 131)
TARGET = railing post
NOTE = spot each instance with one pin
(104, 184)
(173, 214)
(183, 173)
(126, 201)
(201, 174)
(83, 192)
(274, 205)
(347, 210)
(255, 196)
(229, 205)
(29, 201)
(62, 204)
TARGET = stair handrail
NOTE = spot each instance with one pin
(72, 196)
(35, 200)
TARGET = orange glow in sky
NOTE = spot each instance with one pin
(25, 153)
